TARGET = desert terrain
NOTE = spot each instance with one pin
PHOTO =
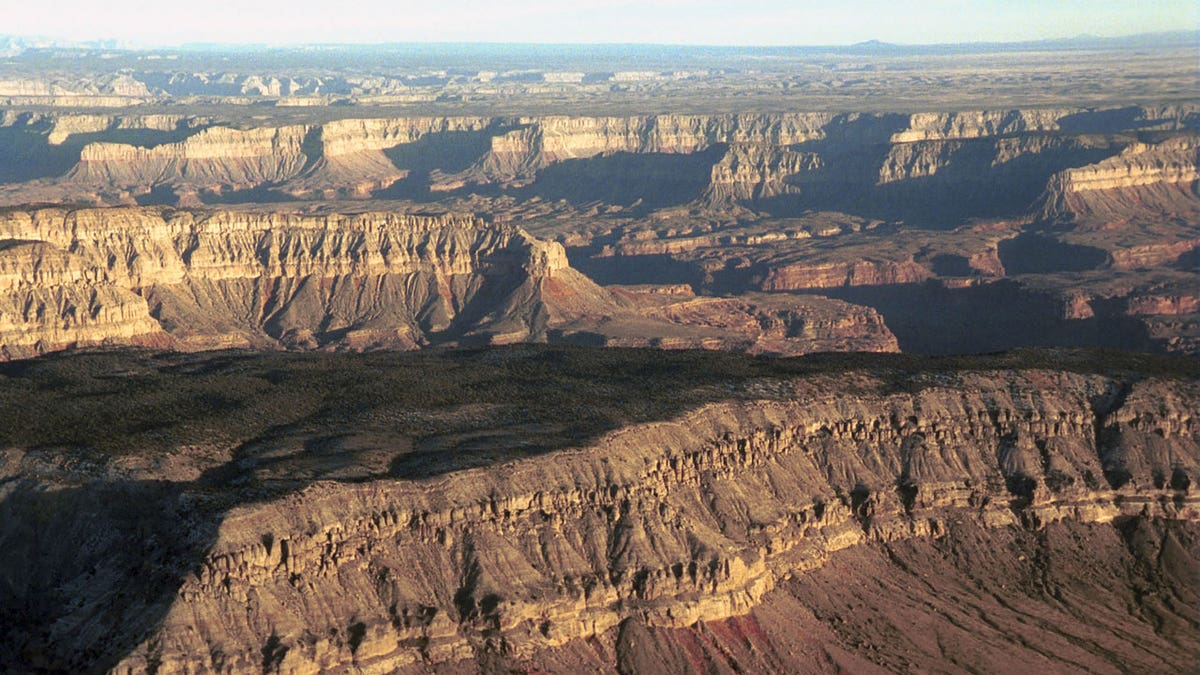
(801, 210)
(635, 359)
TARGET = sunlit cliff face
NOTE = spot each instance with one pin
(436, 510)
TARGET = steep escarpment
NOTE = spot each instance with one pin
(909, 605)
(931, 182)
(733, 499)
(753, 171)
(909, 205)
(107, 90)
(343, 157)
(51, 300)
(543, 141)
(934, 167)
(753, 489)
(1145, 180)
(856, 273)
(349, 157)
(212, 279)
(182, 159)
(217, 156)
(229, 278)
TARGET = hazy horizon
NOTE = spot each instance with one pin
(123, 44)
(757, 23)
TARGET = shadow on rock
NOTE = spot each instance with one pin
(90, 571)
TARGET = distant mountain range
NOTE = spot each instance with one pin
(1170, 39)
(13, 45)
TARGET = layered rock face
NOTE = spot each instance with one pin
(229, 278)
(542, 141)
(1000, 159)
(683, 527)
(858, 273)
(727, 203)
(217, 279)
(51, 299)
(215, 156)
(342, 156)
(731, 500)
(1161, 177)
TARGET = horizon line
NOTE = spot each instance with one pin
(126, 44)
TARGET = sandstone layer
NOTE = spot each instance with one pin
(229, 278)
(252, 278)
(916, 217)
(895, 159)
(371, 544)
(1162, 176)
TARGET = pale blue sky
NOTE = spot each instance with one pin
(749, 22)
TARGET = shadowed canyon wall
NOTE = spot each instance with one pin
(720, 510)
(78, 277)
(931, 168)
(1043, 193)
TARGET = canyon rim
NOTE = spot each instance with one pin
(581, 358)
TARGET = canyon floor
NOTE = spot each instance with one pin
(618, 359)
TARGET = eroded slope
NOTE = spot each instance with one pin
(703, 498)
(202, 279)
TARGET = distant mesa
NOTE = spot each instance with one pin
(794, 203)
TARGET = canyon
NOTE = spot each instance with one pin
(631, 359)
(218, 279)
(678, 509)
(931, 232)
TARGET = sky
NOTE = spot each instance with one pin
(700, 22)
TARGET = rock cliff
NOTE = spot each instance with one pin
(732, 499)
(1145, 180)
(340, 157)
(216, 156)
(683, 521)
(727, 203)
(242, 278)
(801, 276)
(251, 278)
(990, 162)
(51, 300)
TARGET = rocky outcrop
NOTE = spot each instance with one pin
(781, 326)
(66, 126)
(991, 123)
(694, 519)
(767, 149)
(540, 142)
(217, 157)
(1144, 180)
(109, 90)
(726, 202)
(471, 510)
(342, 157)
(998, 160)
(51, 300)
(218, 279)
(978, 124)
(755, 323)
(1165, 251)
(801, 276)
(1163, 304)
(754, 171)
(238, 278)
(351, 154)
